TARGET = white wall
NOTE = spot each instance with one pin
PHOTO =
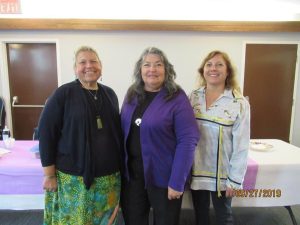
(119, 51)
(277, 10)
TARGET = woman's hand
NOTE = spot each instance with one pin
(172, 194)
(229, 192)
(50, 180)
(50, 183)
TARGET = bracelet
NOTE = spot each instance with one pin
(49, 176)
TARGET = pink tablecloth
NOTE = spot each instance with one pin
(20, 171)
(250, 176)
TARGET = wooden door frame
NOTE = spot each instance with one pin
(295, 81)
(4, 75)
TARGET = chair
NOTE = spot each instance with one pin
(35, 134)
(2, 116)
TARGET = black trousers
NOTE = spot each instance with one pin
(222, 207)
(136, 202)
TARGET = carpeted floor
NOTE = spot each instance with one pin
(242, 216)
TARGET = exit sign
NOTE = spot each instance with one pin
(10, 7)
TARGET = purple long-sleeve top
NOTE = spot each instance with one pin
(168, 136)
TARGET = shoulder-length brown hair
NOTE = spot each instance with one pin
(230, 82)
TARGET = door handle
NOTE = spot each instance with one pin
(16, 100)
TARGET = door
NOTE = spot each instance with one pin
(32, 70)
(269, 83)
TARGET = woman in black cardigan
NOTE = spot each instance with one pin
(79, 134)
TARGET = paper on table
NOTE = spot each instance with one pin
(3, 151)
(35, 150)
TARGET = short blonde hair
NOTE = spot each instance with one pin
(85, 49)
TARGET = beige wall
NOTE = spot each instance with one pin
(119, 50)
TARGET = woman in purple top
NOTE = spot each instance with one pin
(160, 136)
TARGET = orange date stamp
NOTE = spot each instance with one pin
(257, 193)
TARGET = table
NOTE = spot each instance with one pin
(277, 169)
(21, 177)
(277, 179)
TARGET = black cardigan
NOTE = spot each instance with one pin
(64, 130)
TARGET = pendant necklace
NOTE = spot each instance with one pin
(97, 110)
(138, 121)
(94, 96)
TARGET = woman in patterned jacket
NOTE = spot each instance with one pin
(223, 117)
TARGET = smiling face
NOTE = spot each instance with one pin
(215, 71)
(88, 68)
(153, 72)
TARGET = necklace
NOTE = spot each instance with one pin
(138, 121)
(94, 96)
(97, 105)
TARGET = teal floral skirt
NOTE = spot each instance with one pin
(73, 204)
